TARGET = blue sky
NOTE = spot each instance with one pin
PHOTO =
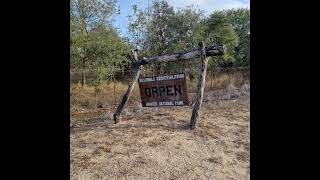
(121, 21)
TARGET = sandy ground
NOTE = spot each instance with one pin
(156, 143)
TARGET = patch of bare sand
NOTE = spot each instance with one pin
(156, 143)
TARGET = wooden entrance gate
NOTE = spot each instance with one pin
(202, 52)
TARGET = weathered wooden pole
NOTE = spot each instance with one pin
(114, 85)
(211, 79)
(114, 91)
(215, 50)
(243, 78)
(200, 86)
(125, 98)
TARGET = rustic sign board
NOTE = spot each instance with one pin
(166, 90)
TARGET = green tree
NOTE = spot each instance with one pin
(108, 51)
(216, 29)
(137, 28)
(163, 30)
(240, 20)
(85, 16)
(95, 44)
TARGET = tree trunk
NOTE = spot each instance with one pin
(215, 79)
(83, 79)
(237, 50)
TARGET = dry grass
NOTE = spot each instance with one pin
(156, 143)
(103, 96)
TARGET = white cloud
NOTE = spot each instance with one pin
(211, 5)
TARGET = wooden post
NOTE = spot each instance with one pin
(211, 79)
(153, 70)
(200, 86)
(215, 80)
(126, 96)
(229, 76)
(83, 79)
(243, 78)
(114, 84)
(114, 91)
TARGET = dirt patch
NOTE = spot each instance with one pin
(156, 143)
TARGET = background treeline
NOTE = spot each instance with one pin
(97, 47)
